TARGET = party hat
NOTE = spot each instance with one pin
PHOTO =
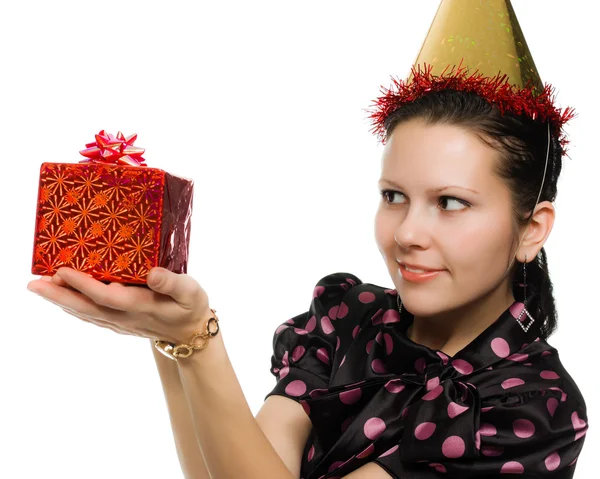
(476, 46)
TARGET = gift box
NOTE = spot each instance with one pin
(110, 215)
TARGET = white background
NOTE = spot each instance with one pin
(262, 104)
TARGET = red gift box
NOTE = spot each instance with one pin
(110, 215)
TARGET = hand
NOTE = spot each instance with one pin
(173, 309)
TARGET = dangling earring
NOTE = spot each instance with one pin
(525, 328)
(399, 304)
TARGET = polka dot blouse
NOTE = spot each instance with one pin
(503, 405)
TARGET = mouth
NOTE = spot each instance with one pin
(417, 268)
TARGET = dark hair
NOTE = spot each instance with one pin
(523, 144)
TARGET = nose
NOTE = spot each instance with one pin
(413, 230)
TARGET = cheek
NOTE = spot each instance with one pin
(479, 251)
(384, 230)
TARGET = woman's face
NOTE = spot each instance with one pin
(465, 228)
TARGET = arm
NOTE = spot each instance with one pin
(188, 449)
(230, 438)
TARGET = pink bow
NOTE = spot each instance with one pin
(112, 149)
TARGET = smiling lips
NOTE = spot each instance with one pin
(417, 274)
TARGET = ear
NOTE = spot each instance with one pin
(537, 231)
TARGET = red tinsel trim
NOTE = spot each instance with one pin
(496, 90)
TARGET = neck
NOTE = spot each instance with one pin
(451, 331)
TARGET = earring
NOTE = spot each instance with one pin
(399, 304)
(524, 311)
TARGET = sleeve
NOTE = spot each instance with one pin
(304, 346)
(537, 435)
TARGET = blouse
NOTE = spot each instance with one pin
(502, 405)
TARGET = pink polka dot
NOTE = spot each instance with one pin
(377, 317)
(297, 353)
(391, 450)
(378, 366)
(355, 331)
(300, 331)
(551, 405)
(455, 409)
(404, 412)
(311, 453)
(516, 309)
(488, 429)
(366, 297)
(289, 321)
(318, 291)
(326, 325)
(511, 383)
(491, 451)
(337, 343)
(333, 312)
(453, 447)
(350, 397)
(374, 428)
(311, 324)
(394, 386)
(444, 357)
(577, 422)
(367, 452)
(512, 467)
(391, 316)
(343, 360)
(549, 375)
(369, 346)
(518, 357)
(433, 383)
(285, 359)
(523, 428)
(438, 467)
(545, 353)
(323, 355)
(334, 466)
(435, 392)
(306, 407)
(296, 388)
(284, 372)
(281, 328)
(500, 347)
(342, 311)
(478, 440)
(462, 366)
(420, 365)
(552, 461)
(379, 337)
(424, 430)
(389, 343)
(486, 409)
(563, 396)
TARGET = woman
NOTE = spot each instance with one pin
(448, 374)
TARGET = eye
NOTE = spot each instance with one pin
(460, 202)
(385, 193)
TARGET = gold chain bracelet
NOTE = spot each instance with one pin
(185, 350)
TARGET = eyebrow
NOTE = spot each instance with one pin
(433, 190)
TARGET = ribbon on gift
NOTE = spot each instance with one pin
(114, 150)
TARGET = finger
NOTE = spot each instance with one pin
(102, 324)
(181, 287)
(116, 296)
(75, 301)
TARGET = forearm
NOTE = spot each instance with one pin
(232, 443)
(188, 449)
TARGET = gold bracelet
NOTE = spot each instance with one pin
(185, 350)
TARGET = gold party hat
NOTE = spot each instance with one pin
(477, 46)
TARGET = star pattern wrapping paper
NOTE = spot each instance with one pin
(114, 222)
